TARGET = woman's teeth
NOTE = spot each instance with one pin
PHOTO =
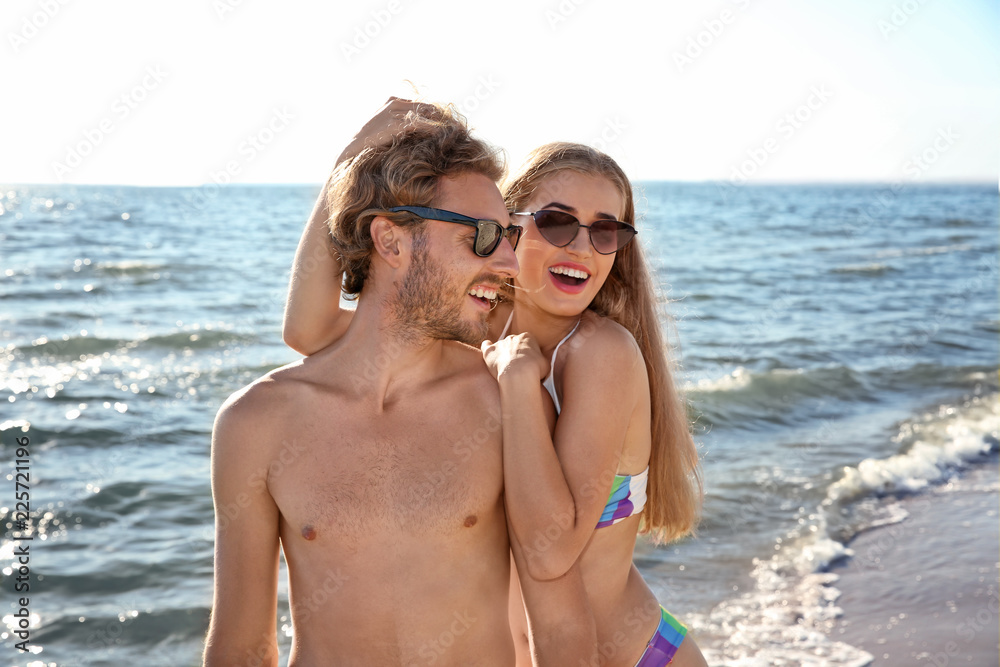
(572, 273)
(487, 293)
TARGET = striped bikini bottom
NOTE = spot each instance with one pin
(665, 641)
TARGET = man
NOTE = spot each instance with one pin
(376, 463)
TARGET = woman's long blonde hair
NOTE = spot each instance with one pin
(628, 297)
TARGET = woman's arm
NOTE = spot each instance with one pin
(555, 615)
(561, 627)
(313, 316)
(556, 488)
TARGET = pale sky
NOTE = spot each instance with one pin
(259, 91)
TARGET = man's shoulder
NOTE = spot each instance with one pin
(263, 401)
(469, 371)
(467, 362)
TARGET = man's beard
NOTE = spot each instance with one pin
(426, 305)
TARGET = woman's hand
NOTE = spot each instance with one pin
(383, 126)
(313, 316)
(517, 352)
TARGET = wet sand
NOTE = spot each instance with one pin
(925, 591)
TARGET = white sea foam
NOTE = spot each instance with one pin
(129, 265)
(942, 442)
(784, 621)
(817, 555)
(928, 250)
(788, 617)
(873, 267)
(20, 424)
(877, 513)
(738, 379)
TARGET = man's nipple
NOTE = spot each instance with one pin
(308, 532)
(470, 521)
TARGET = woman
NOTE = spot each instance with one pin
(582, 317)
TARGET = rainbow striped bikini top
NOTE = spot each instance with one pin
(628, 492)
(628, 497)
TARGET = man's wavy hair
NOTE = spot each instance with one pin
(435, 142)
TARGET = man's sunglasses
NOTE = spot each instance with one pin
(560, 228)
(489, 233)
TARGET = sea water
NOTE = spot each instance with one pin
(838, 346)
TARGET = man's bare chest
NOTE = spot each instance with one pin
(354, 479)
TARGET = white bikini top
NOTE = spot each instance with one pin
(628, 492)
(550, 380)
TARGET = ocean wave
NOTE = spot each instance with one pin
(46, 294)
(937, 446)
(75, 346)
(789, 615)
(71, 346)
(126, 630)
(813, 381)
(129, 267)
(19, 424)
(872, 269)
(200, 339)
(931, 376)
(783, 621)
(738, 379)
(926, 250)
(744, 396)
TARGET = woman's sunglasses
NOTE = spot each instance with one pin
(560, 228)
(489, 233)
